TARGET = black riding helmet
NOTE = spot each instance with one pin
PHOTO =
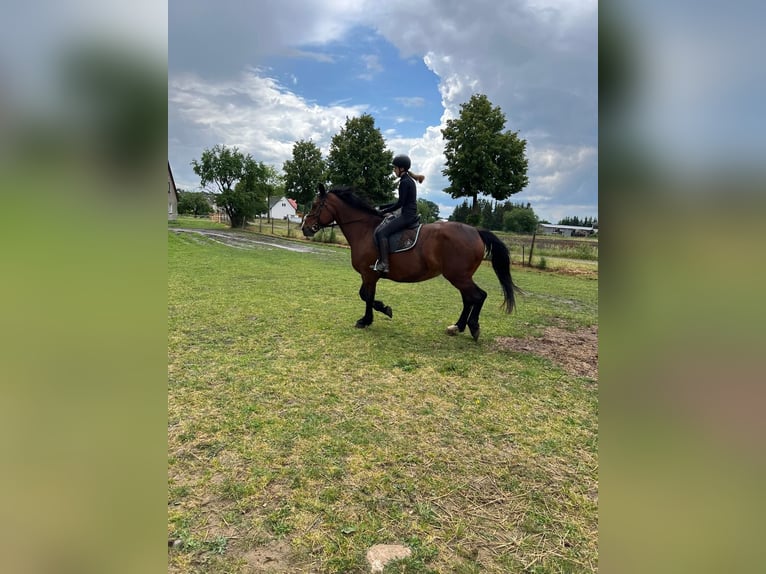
(402, 161)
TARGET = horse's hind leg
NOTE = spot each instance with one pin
(459, 326)
(473, 300)
(480, 295)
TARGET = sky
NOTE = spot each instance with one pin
(263, 75)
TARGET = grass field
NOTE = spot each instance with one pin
(297, 441)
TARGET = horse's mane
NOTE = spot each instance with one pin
(348, 194)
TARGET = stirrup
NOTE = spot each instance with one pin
(379, 267)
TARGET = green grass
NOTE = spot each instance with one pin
(563, 254)
(189, 222)
(285, 423)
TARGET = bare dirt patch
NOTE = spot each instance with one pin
(274, 557)
(575, 351)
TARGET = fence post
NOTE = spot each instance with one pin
(531, 247)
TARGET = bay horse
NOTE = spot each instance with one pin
(449, 248)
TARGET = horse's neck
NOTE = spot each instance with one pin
(357, 225)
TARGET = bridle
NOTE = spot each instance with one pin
(317, 226)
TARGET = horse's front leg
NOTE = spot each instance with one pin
(367, 294)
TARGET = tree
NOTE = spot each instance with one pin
(461, 212)
(240, 180)
(193, 203)
(358, 157)
(304, 173)
(520, 220)
(480, 157)
(585, 222)
(428, 211)
(221, 166)
(486, 210)
(264, 181)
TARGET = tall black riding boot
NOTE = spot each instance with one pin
(382, 266)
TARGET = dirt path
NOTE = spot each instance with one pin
(240, 240)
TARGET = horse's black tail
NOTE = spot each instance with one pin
(501, 263)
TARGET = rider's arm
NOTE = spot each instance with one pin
(388, 208)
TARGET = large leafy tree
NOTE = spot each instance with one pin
(304, 172)
(481, 158)
(241, 182)
(358, 157)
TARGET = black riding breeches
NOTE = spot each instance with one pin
(388, 228)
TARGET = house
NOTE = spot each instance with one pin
(567, 230)
(172, 196)
(283, 208)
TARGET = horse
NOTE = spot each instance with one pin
(452, 249)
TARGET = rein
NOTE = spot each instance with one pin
(317, 226)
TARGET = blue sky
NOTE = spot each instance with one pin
(261, 76)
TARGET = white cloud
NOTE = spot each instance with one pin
(535, 59)
(562, 175)
(416, 102)
(254, 113)
(310, 55)
(372, 62)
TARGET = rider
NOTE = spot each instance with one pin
(407, 201)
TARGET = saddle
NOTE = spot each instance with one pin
(404, 239)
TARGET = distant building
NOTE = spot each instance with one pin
(567, 230)
(283, 208)
(172, 196)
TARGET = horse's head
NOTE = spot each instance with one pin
(319, 216)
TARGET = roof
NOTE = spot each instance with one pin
(274, 200)
(172, 181)
(566, 226)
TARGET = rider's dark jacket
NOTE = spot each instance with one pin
(408, 200)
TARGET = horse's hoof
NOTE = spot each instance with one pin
(388, 311)
(361, 324)
(452, 330)
(475, 333)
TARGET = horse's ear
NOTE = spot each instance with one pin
(321, 190)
